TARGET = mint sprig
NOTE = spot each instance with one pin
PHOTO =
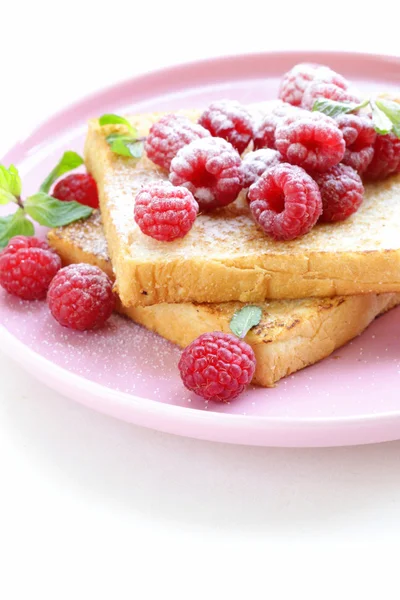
(244, 319)
(385, 113)
(130, 145)
(41, 207)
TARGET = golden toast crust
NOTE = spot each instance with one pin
(291, 335)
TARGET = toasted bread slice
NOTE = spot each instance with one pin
(225, 256)
(291, 335)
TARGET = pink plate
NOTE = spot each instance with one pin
(351, 397)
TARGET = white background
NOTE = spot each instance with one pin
(94, 508)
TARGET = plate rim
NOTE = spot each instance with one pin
(142, 407)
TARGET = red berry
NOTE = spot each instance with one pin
(342, 192)
(229, 120)
(80, 187)
(359, 136)
(264, 136)
(256, 163)
(168, 135)
(211, 169)
(217, 366)
(321, 89)
(81, 297)
(285, 202)
(386, 159)
(165, 212)
(295, 81)
(27, 266)
(312, 141)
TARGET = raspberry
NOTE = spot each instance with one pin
(386, 159)
(264, 137)
(322, 89)
(80, 187)
(285, 202)
(81, 297)
(27, 266)
(341, 191)
(359, 136)
(165, 212)
(210, 169)
(217, 366)
(312, 141)
(256, 163)
(229, 120)
(295, 81)
(168, 135)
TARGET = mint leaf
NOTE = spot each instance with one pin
(334, 109)
(51, 212)
(15, 224)
(111, 119)
(10, 184)
(70, 160)
(244, 319)
(392, 111)
(382, 124)
(125, 145)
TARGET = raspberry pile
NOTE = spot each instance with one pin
(27, 266)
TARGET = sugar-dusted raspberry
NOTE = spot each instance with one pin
(386, 159)
(209, 168)
(165, 212)
(359, 136)
(217, 366)
(256, 163)
(295, 81)
(312, 141)
(264, 136)
(342, 192)
(81, 297)
(168, 135)
(285, 202)
(322, 89)
(80, 187)
(27, 266)
(229, 120)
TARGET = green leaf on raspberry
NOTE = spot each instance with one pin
(10, 184)
(382, 124)
(15, 224)
(333, 109)
(111, 119)
(50, 212)
(244, 319)
(70, 160)
(125, 145)
(392, 111)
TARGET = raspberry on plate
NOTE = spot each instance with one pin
(168, 135)
(210, 168)
(229, 120)
(386, 158)
(256, 163)
(27, 266)
(312, 141)
(264, 136)
(80, 187)
(295, 81)
(331, 91)
(217, 366)
(165, 212)
(285, 202)
(359, 136)
(342, 192)
(81, 297)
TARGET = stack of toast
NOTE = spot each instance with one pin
(316, 292)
